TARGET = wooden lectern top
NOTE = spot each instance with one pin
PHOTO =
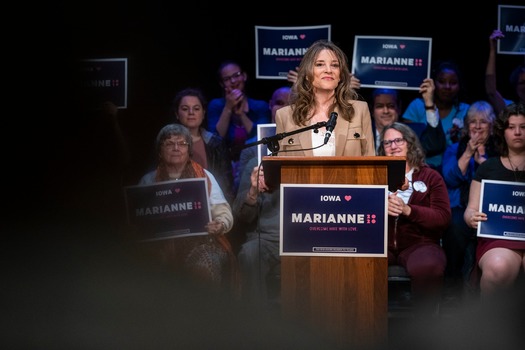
(395, 167)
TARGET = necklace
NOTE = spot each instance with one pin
(516, 170)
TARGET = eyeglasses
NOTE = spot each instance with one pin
(399, 142)
(232, 77)
(175, 145)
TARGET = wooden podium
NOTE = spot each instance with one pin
(344, 299)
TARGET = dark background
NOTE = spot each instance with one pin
(171, 46)
(49, 137)
(64, 272)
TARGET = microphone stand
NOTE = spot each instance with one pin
(273, 141)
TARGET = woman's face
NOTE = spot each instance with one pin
(479, 127)
(233, 78)
(175, 150)
(447, 85)
(395, 144)
(190, 112)
(327, 71)
(515, 133)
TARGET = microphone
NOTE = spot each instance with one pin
(330, 125)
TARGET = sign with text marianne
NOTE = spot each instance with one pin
(391, 62)
(105, 79)
(333, 220)
(503, 202)
(511, 22)
(169, 209)
(280, 49)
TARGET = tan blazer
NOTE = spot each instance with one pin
(351, 139)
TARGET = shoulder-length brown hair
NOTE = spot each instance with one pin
(415, 152)
(302, 96)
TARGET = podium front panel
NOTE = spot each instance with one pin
(344, 298)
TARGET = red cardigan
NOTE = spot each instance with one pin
(430, 215)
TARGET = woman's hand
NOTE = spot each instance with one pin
(215, 228)
(292, 75)
(355, 83)
(426, 89)
(396, 206)
(257, 180)
(234, 99)
(476, 146)
(474, 218)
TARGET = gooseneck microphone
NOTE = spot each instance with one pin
(330, 125)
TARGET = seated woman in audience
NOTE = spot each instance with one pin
(209, 149)
(460, 162)
(418, 214)
(499, 261)
(201, 258)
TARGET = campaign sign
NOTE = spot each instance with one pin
(504, 204)
(105, 79)
(281, 49)
(333, 220)
(511, 22)
(391, 62)
(263, 131)
(169, 209)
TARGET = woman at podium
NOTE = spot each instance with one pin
(323, 94)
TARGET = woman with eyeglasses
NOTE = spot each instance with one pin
(202, 257)
(460, 162)
(235, 116)
(418, 214)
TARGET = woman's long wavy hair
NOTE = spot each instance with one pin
(302, 97)
(415, 152)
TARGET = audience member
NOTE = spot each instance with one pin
(235, 116)
(418, 214)
(517, 77)
(385, 111)
(203, 258)
(257, 210)
(280, 98)
(444, 105)
(209, 149)
(324, 86)
(499, 261)
(460, 162)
